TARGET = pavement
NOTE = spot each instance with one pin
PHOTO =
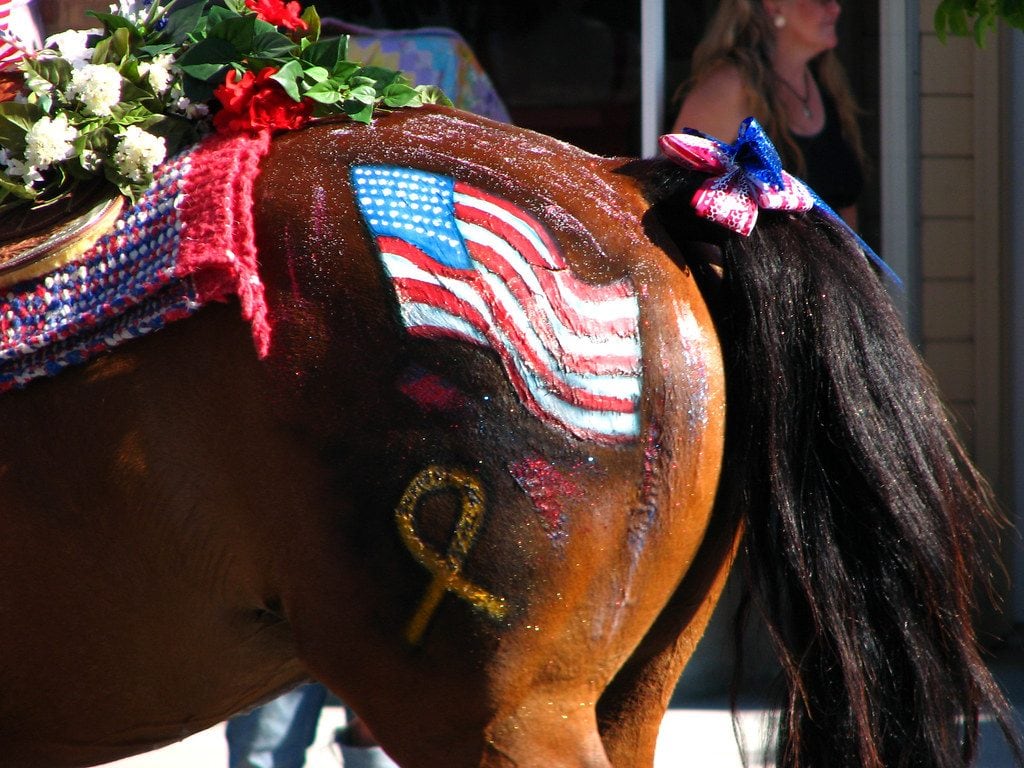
(689, 737)
(697, 731)
(692, 737)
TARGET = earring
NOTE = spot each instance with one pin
(780, 21)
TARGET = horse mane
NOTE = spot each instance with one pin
(866, 523)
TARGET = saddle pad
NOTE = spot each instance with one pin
(188, 241)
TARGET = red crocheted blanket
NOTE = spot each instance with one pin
(218, 245)
(189, 240)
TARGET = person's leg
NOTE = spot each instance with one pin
(277, 734)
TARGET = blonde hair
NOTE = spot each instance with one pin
(742, 35)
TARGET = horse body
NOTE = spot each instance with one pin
(190, 529)
(468, 480)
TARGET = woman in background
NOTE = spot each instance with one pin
(775, 60)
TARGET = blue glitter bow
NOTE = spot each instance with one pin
(746, 176)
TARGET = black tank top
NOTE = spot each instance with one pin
(832, 168)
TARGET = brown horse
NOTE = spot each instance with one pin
(490, 529)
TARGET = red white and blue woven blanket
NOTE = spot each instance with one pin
(188, 241)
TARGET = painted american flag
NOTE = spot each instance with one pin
(12, 48)
(468, 265)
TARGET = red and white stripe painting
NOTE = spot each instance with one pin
(468, 265)
(14, 43)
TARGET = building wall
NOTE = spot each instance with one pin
(59, 15)
(964, 299)
(959, 227)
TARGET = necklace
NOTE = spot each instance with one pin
(805, 100)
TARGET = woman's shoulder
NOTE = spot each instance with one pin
(717, 101)
(722, 80)
(723, 74)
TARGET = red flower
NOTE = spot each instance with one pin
(256, 102)
(278, 13)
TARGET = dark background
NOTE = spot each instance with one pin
(571, 68)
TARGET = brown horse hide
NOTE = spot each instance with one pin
(461, 488)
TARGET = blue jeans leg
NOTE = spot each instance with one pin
(277, 734)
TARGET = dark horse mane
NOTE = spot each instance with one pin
(865, 521)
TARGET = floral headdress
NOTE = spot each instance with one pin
(113, 102)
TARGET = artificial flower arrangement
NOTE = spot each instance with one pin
(115, 102)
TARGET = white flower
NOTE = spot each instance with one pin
(138, 153)
(192, 111)
(133, 10)
(49, 141)
(97, 86)
(159, 72)
(14, 168)
(29, 173)
(73, 45)
(90, 160)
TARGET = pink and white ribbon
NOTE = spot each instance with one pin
(745, 176)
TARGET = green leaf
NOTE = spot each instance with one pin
(312, 19)
(183, 19)
(380, 76)
(941, 22)
(327, 53)
(358, 110)
(1013, 12)
(113, 49)
(219, 13)
(196, 90)
(400, 95)
(53, 70)
(157, 49)
(432, 94)
(175, 131)
(17, 118)
(17, 190)
(45, 101)
(113, 22)
(314, 74)
(208, 59)
(238, 31)
(365, 94)
(77, 171)
(344, 70)
(127, 113)
(130, 91)
(288, 77)
(130, 71)
(121, 43)
(100, 141)
(101, 52)
(976, 18)
(326, 92)
(271, 44)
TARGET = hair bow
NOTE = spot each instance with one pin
(746, 176)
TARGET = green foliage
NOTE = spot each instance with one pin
(170, 60)
(976, 18)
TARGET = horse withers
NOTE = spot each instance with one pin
(465, 475)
